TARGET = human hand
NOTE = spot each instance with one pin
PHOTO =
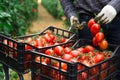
(107, 14)
(75, 23)
(73, 20)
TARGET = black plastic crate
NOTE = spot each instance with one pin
(14, 53)
(75, 70)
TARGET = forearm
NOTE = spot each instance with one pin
(115, 4)
(68, 7)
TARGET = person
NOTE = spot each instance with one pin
(84, 10)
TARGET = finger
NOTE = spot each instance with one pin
(104, 20)
(99, 17)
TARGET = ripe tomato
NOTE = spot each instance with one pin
(67, 50)
(67, 57)
(99, 36)
(103, 44)
(95, 43)
(63, 65)
(91, 22)
(49, 52)
(95, 28)
(47, 38)
(63, 39)
(81, 50)
(52, 38)
(59, 50)
(89, 48)
(98, 58)
(74, 53)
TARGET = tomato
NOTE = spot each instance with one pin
(49, 52)
(84, 76)
(98, 58)
(38, 43)
(52, 38)
(95, 28)
(67, 57)
(28, 40)
(67, 50)
(81, 50)
(103, 44)
(63, 65)
(89, 48)
(99, 36)
(47, 37)
(91, 22)
(63, 39)
(95, 43)
(74, 53)
(59, 50)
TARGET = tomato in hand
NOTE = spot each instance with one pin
(99, 36)
(95, 43)
(95, 28)
(103, 44)
(91, 22)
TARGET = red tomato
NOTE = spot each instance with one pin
(38, 43)
(47, 37)
(98, 58)
(67, 50)
(95, 28)
(99, 36)
(63, 66)
(103, 44)
(67, 57)
(74, 53)
(49, 52)
(89, 48)
(91, 22)
(52, 38)
(95, 43)
(63, 39)
(59, 50)
(81, 50)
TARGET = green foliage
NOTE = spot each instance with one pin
(16, 16)
(53, 7)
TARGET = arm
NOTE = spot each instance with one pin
(68, 7)
(115, 4)
(109, 11)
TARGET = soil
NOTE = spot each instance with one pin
(44, 20)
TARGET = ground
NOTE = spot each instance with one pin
(44, 20)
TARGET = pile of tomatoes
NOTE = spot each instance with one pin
(86, 55)
(98, 35)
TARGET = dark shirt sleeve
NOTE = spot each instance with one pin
(68, 7)
(115, 4)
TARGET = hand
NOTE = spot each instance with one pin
(73, 20)
(107, 14)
